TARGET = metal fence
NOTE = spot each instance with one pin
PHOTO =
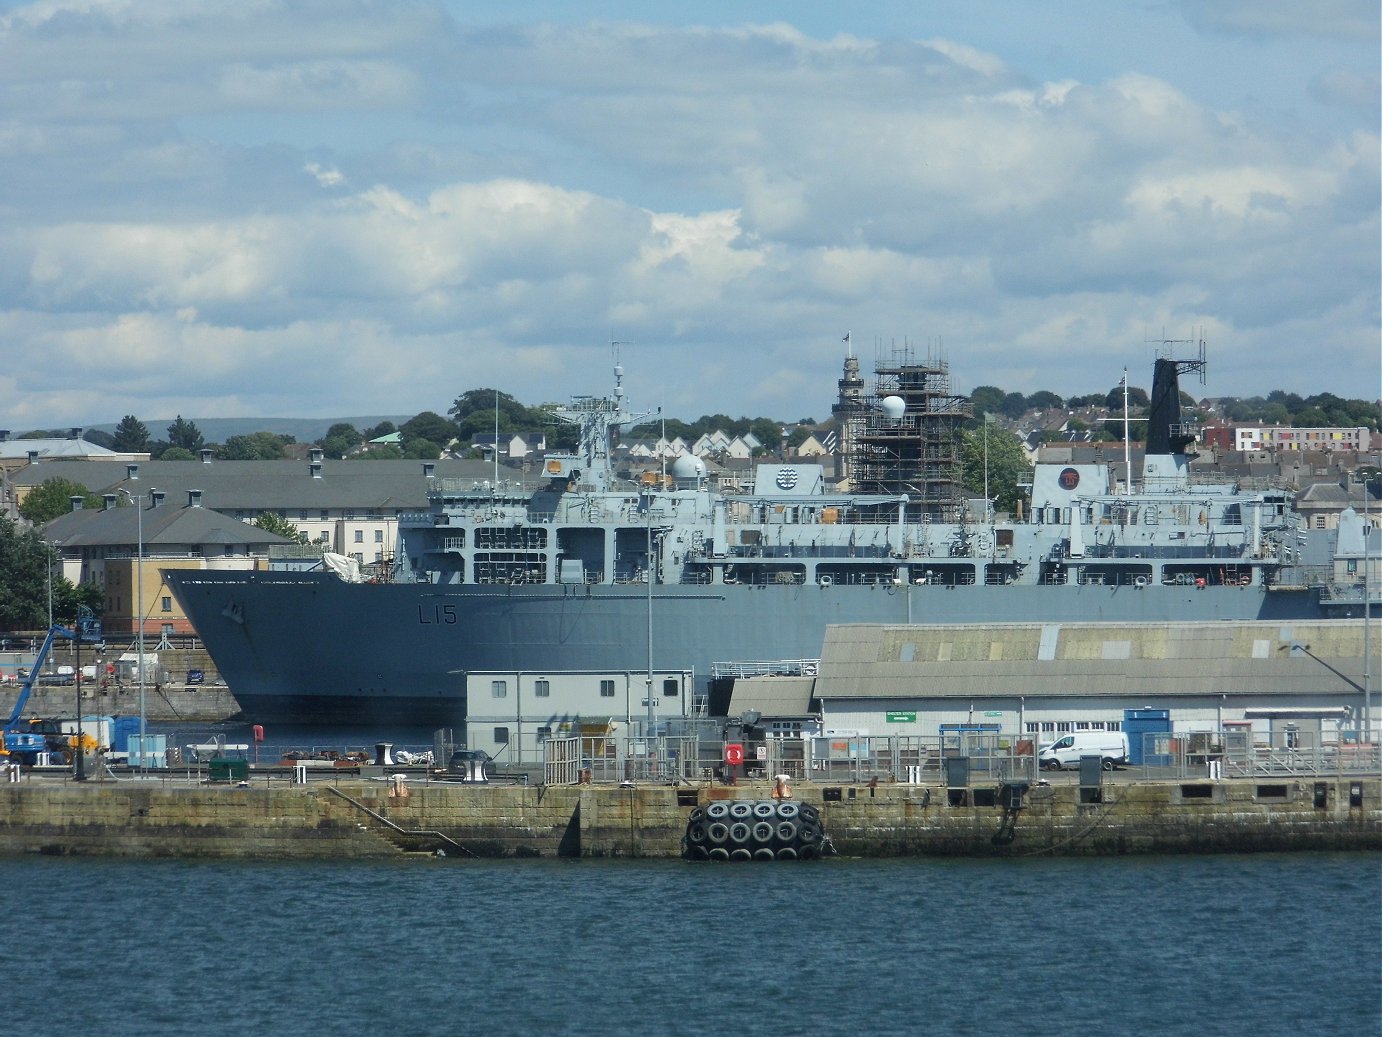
(1171, 755)
(831, 758)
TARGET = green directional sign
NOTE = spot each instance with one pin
(993, 712)
(901, 717)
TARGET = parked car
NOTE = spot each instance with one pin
(196, 676)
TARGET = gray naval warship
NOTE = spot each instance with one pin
(585, 572)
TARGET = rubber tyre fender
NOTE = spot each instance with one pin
(763, 832)
(809, 813)
(717, 832)
(695, 834)
(764, 809)
(699, 853)
(787, 832)
(808, 852)
(787, 853)
(717, 811)
(741, 809)
(696, 815)
(788, 810)
(719, 853)
(763, 853)
(740, 833)
(740, 854)
(809, 834)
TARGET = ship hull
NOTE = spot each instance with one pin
(309, 648)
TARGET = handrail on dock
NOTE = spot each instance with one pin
(442, 836)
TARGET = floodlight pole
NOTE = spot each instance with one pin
(137, 499)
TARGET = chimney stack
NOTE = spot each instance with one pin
(77, 501)
(429, 468)
(156, 497)
(33, 457)
(315, 469)
(131, 471)
(206, 453)
(108, 501)
(194, 498)
(75, 433)
(315, 455)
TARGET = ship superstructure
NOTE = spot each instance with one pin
(587, 573)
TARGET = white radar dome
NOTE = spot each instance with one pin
(894, 407)
(688, 466)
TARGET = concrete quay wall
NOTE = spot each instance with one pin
(350, 818)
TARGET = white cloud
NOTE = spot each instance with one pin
(488, 205)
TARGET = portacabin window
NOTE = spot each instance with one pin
(670, 687)
(499, 689)
(606, 689)
(542, 688)
(501, 736)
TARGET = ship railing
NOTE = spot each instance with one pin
(766, 668)
(1333, 593)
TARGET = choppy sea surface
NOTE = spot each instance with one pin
(1260, 945)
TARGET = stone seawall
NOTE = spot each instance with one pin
(352, 817)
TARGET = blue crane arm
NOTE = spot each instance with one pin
(54, 633)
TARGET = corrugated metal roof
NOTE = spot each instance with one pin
(773, 696)
(876, 661)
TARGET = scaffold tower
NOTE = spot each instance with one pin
(919, 453)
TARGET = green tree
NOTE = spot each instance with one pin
(1044, 399)
(53, 497)
(185, 434)
(421, 450)
(1007, 465)
(986, 399)
(768, 432)
(174, 453)
(428, 425)
(273, 522)
(95, 435)
(340, 438)
(24, 573)
(382, 429)
(380, 452)
(131, 435)
(257, 446)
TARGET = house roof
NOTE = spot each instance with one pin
(280, 486)
(164, 525)
(13, 449)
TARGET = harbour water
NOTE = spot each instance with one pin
(1214, 945)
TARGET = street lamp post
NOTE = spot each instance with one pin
(138, 501)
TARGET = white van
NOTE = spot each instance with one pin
(1066, 751)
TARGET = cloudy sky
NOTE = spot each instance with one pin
(339, 207)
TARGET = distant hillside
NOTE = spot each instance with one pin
(303, 430)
